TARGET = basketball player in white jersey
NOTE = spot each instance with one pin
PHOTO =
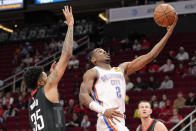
(107, 85)
(148, 124)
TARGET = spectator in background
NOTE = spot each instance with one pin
(182, 55)
(176, 118)
(139, 85)
(8, 100)
(52, 45)
(162, 103)
(10, 112)
(60, 45)
(179, 102)
(167, 83)
(168, 67)
(75, 122)
(153, 83)
(20, 105)
(75, 44)
(167, 110)
(81, 110)
(37, 57)
(24, 51)
(146, 44)
(19, 68)
(136, 114)
(172, 55)
(1, 113)
(154, 67)
(154, 102)
(1, 97)
(70, 108)
(136, 45)
(1, 83)
(73, 63)
(28, 59)
(85, 122)
(29, 48)
(181, 70)
(191, 101)
(129, 85)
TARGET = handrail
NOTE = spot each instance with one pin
(18, 76)
(192, 120)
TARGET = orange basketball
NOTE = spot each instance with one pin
(164, 15)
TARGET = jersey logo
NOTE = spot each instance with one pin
(116, 69)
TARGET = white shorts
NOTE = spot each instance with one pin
(104, 124)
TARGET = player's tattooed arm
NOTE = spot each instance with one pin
(140, 62)
(86, 87)
(59, 68)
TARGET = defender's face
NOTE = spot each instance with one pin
(43, 79)
(101, 55)
(144, 110)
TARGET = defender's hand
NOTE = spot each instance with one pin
(113, 114)
(67, 11)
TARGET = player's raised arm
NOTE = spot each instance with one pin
(140, 62)
(67, 49)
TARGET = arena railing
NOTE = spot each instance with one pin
(190, 124)
(11, 81)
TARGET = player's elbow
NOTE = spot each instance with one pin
(151, 56)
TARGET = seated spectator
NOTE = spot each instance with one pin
(191, 101)
(136, 114)
(24, 51)
(139, 85)
(25, 96)
(28, 59)
(8, 100)
(136, 45)
(154, 102)
(60, 45)
(37, 57)
(70, 108)
(179, 102)
(10, 112)
(192, 69)
(1, 113)
(146, 44)
(1, 83)
(75, 122)
(162, 103)
(21, 104)
(168, 67)
(181, 70)
(176, 118)
(1, 97)
(85, 122)
(167, 83)
(52, 45)
(153, 83)
(167, 109)
(154, 67)
(81, 110)
(182, 55)
(75, 44)
(73, 63)
(19, 68)
(172, 55)
(29, 48)
(129, 85)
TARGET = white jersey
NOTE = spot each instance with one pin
(110, 88)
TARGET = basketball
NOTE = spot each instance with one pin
(164, 15)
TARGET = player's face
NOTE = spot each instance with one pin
(144, 110)
(101, 55)
(43, 79)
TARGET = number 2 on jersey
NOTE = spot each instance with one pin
(35, 117)
(118, 92)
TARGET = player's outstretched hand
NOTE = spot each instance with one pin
(113, 114)
(171, 28)
(67, 11)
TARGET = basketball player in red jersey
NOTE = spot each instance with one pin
(107, 84)
(148, 124)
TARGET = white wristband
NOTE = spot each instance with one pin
(96, 107)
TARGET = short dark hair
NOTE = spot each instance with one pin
(32, 75)
(145, 101)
